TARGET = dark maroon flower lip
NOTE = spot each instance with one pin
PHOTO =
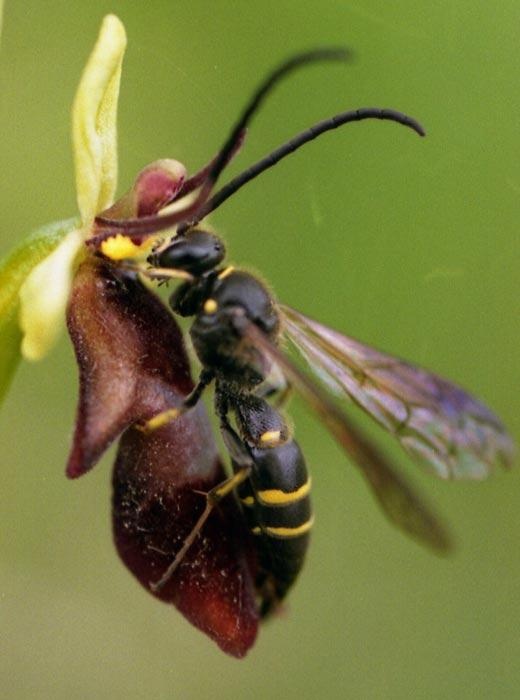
(154, 507)
(133, 365)
(130, 354)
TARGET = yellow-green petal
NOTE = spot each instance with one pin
(1, 15)
(10, 356)
(44, 296)
(94, 113)
(14, 269)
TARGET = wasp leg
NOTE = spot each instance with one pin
(163, 274)
(240, 457)
(206, 377)
(213, 497)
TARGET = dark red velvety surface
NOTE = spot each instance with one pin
(133, 365)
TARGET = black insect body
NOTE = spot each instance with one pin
(276, 487)
(236, 332)
(269, 469)
(275, 497)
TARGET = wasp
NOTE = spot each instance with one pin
(238, 333)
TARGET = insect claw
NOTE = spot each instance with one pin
(201, 493)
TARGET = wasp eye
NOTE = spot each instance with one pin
(196, 253)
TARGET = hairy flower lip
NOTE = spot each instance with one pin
(133, 365)
(122, 335)
(154, 507)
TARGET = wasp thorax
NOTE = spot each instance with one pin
(229, 296)
(241, 290)
(196, 252)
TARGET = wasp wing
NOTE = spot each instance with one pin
(436, 422)
(401, 505)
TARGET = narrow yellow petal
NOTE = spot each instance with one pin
(44, 295)
(94, 113)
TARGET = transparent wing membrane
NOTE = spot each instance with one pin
(398, 500)
(437, 423)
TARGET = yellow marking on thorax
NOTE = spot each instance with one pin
(120, 247)
(256, 530)
(248, 500)
(276, 497)
(210, 306)
(290, 531)
(226, 272)
(271, 438)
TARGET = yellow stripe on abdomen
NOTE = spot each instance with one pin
(276, 497)
(287, 532)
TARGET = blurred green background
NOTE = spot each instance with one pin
(410, 245)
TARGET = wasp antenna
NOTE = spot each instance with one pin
(153, 224)
(284, 69)
(296, 142)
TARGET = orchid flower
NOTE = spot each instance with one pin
(35, 279)
(133, 365)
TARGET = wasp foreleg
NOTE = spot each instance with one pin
(161, 419)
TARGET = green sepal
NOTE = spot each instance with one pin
(14, 269)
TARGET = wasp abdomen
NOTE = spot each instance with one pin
(275, 498)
